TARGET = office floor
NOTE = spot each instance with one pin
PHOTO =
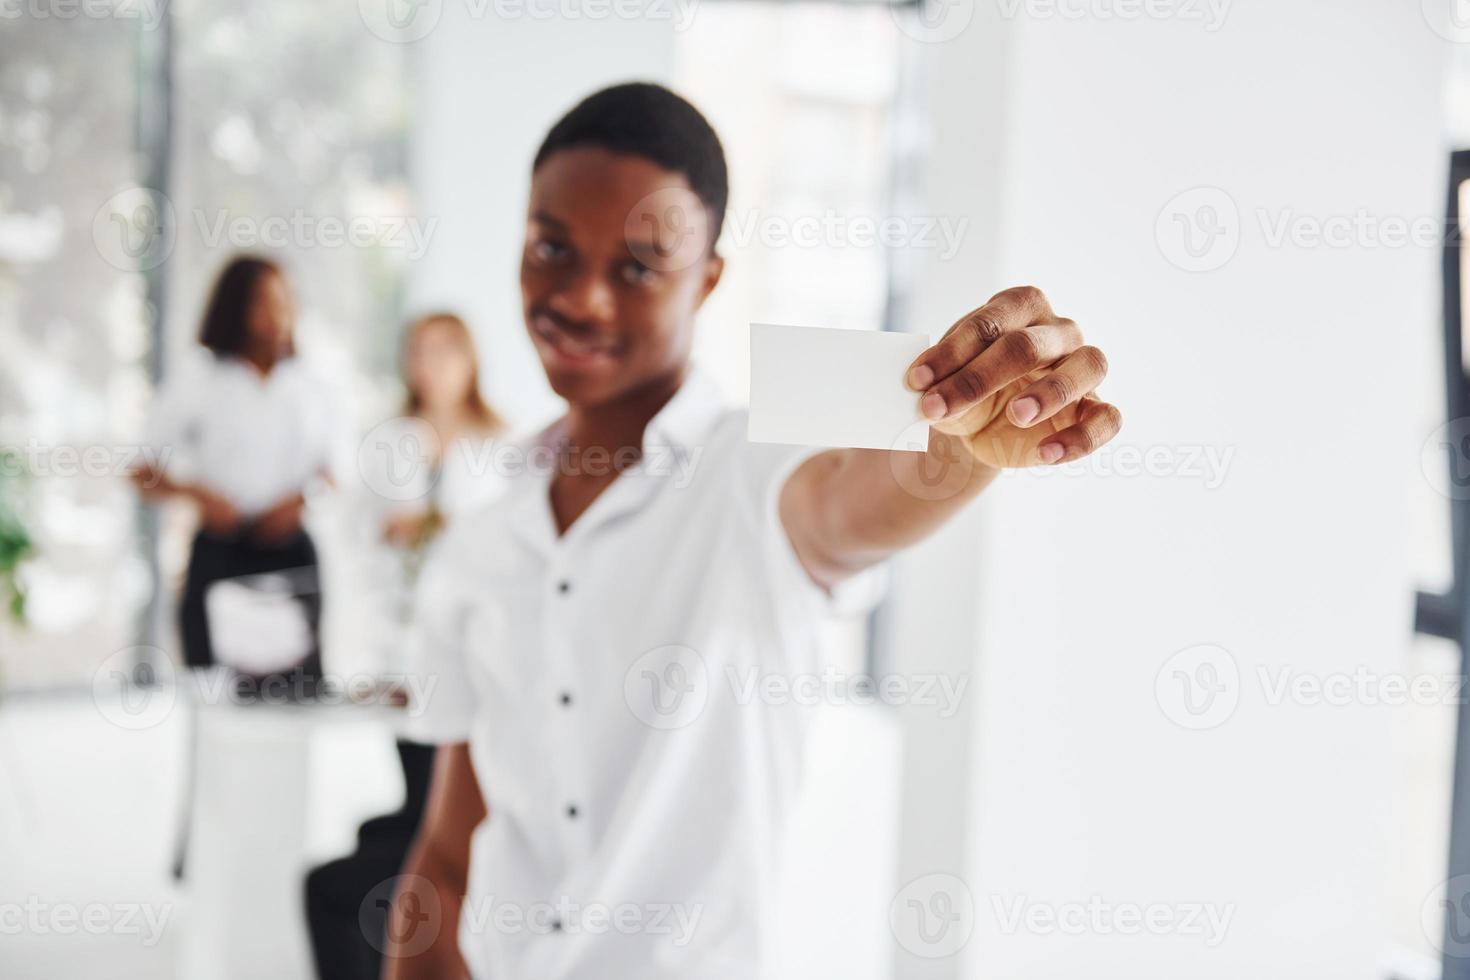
(89, 814)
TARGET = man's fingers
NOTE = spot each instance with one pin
(1078, 374)
(1097, 423)
(1012, 309)
(1013, 356)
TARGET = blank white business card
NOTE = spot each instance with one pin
(818, 386)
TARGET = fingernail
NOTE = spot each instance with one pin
(1023, 410)
(1050, 452)
(932, 405)
(921, 376)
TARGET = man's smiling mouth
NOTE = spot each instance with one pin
(570, 345)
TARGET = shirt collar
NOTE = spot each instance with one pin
(681, 426)
(686, 420)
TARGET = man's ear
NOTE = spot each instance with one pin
(714, 267)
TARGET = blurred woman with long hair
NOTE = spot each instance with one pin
(442, 375)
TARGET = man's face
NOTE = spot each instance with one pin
(616, 262)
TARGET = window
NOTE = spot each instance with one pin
(808, 101)
(75, 336)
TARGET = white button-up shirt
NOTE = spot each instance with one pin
(610, 684)
(255, 440)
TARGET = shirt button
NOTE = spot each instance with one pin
(572, 811)
(556, 925)
(565, 699)
(563, 586)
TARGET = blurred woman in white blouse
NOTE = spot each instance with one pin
(420, 471)
(441, 372)
(245, 431)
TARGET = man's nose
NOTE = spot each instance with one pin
(584, 296)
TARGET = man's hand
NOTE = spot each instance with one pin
(282, 522)
(1015, 383)
(1009, 385)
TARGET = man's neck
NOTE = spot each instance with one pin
(618, 425)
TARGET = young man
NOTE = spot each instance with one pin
(593, 634)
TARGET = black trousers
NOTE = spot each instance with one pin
(214, 558)
(347, 928)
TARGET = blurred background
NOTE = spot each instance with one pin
(1221, 741)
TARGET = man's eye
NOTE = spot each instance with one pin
(548, 251)
(638, 274)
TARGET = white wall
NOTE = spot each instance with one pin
(1303, 363)
(491, 88)
(1063, 140)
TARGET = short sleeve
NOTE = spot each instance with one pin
(171, 426)
(442, 700)
(768, 468)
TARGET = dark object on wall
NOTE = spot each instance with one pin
(1448, 615)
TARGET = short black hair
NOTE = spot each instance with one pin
(225, 329)
(649, 121)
